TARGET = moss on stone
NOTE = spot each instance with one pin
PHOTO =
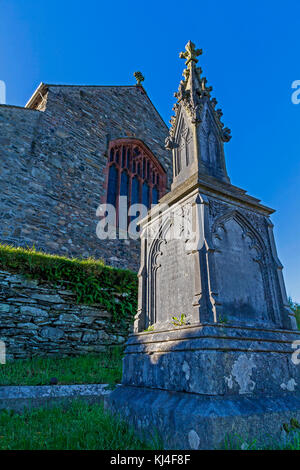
(91, 280)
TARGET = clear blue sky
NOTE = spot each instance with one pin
(251, 57)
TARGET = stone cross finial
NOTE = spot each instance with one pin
(139, 77)
(190, 53)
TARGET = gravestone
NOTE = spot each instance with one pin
(224, 367)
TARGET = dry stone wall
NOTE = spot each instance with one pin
(38, 319)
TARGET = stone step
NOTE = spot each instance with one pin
(20, 398)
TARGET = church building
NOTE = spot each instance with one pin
(70, 149)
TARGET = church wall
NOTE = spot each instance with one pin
(56, 163)
(17, 130)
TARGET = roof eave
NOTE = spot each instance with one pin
(37, 95)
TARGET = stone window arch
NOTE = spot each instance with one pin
(133, 171)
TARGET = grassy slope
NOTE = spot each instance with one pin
(78, 427)
(87, 427)
(87, 369)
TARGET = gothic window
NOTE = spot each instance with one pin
(133, 171)
(112, 185)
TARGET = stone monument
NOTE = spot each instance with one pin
(211, 356)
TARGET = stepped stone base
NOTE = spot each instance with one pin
(190, 421)
(24, 397)
(201, 384)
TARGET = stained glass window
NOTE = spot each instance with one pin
(112, 185)
(133, 171)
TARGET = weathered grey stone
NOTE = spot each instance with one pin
(26, 397)
(212, 360)
(48, 298)
(103, 336)
(226, 271)
(190, 421)
(31, 327)
(4, 308)
(34, 311)
(32, 283)
(89, 320)
(75, 335)
(51, 333)
(89, 337)
(21, 300)
(225, 367)
(68, 317)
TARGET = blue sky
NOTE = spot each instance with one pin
(251, 58)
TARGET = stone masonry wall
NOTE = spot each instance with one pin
(37, 319)
(53, 161)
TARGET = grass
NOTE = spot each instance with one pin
(237, 443)
(77, 427)
(82, 426)
(87, 369)
(90, 279)
(296, 308)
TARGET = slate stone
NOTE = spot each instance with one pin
(34, 311)
(51, 333)
(31, 327)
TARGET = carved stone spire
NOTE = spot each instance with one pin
(190, 53)
(197, 134)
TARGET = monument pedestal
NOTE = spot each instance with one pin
(208, 257)
(201, 386)
(187, 421)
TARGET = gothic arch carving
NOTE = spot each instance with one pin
(243, 245)
(210, 142)
(183, 141)
(155, 252)
(246, 226)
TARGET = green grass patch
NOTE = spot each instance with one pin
(296, 309)
(91, 280)
(237, 443)
(77, 427)
(87, 369)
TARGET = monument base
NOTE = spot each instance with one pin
(201, 385)
(184, 421)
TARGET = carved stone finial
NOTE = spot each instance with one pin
(169, 143)
(186, 74)
(191, 53)
(199, 71)
(139, 77)
(194, 92)
(227, 134)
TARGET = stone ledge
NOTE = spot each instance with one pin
(19, 398)
(213, 360)
(186, 421)
(210, 337)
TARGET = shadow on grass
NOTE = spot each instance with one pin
(79, 426)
